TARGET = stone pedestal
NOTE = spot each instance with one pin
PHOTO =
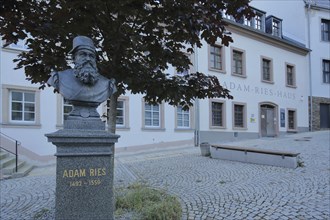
(84, 170)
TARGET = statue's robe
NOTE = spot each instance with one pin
(73, 90)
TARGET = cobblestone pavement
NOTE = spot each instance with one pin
(208, 188)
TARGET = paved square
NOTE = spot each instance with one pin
(208, 188)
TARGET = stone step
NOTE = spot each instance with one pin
(11, 168)
(3, 154)
(23, 171)
(3, 177)
(6, 161)
(8, 166)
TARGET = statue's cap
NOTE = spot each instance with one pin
(82, 42)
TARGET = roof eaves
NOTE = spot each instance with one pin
(285, 41)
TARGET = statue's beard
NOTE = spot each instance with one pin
(86, 72)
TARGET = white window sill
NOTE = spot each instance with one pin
(152, 129)
(20, 125)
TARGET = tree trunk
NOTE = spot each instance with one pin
(112, 113)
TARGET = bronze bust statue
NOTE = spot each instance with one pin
(83, 86)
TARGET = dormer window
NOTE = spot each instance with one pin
(274, 26)
(258, 22)
(247, 22)
(240, 21)
(184, 72)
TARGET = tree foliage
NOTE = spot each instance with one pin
(137, 40)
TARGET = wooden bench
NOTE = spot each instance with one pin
(254, 155)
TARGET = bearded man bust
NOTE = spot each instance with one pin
(83, 86)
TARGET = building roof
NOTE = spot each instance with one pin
(318, 4)
(283, 41)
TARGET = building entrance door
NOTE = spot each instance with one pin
(268, 121)
(324, 115)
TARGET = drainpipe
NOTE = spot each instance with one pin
(197, 125)
(197, 112)
(308, 4)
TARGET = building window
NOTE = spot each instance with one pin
(290, 76)
(67, 108)
(186, 72)
(183, 117)
(63, 109)
(326, 71)
(240, 21)
(259, 20)
(292, 120)
(225, 15)
(239, 116)
(217, 114)
(267, 70)
(122, 112)
(153, 116)
(325, 30)
(23, 106)
(238, 62)
(183, 72)
(239, 113)
(324, 115)
(20, 106)
(216, 58)
(276, 30)
(217, 119)
(247, 22)
(274, 26)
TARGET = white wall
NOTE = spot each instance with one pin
(320, 50)
(138, 136)
(295, 25)
(31, 137)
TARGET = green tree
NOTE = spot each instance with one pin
(137, 41)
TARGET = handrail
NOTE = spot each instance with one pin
(16, 149)
(10, 137)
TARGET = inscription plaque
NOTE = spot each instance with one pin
(84, 174)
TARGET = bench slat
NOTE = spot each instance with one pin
(255, 150)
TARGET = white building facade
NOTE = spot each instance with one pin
(266, 72)
(318, 20)
(312, 29)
